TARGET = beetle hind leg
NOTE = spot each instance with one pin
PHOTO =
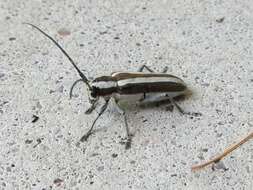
(165, 69)
(182, 111)
(145, 67)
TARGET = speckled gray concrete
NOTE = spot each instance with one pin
(214, 57)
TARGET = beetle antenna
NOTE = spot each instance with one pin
(84, 78)
(72, 87)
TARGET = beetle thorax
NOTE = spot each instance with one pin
(103, 86)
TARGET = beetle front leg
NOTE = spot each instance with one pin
(91, 108)
(102, 110)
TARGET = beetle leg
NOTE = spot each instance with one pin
(182, 111)
(153, 98)
(165, 69)
(162, 100)
(91, 108)
(145, 67)
(178, 107)
(102, 110)
(129, 139)
(129, 136)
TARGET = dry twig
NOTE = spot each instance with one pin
(224, 154)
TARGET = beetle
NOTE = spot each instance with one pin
(127, 87)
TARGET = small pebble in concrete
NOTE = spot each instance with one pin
(63, 32)
(220, 20)
(12, 38)
(35, 118)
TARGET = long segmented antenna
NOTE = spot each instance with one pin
(65, 53)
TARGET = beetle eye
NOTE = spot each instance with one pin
(93, 92)
(93, 95)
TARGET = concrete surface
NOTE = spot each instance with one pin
(207, 43)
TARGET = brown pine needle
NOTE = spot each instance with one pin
(224, 154)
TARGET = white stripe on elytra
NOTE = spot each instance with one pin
(148, 80)
(104, 84)
(138, 73)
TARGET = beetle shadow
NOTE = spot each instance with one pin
(167, 102)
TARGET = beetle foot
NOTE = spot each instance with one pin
(128, 143)
(169, 108)
(197, 114)
(194, 114)
(89, 110)
(85, 137)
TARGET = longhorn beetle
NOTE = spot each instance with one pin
(137, 87)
